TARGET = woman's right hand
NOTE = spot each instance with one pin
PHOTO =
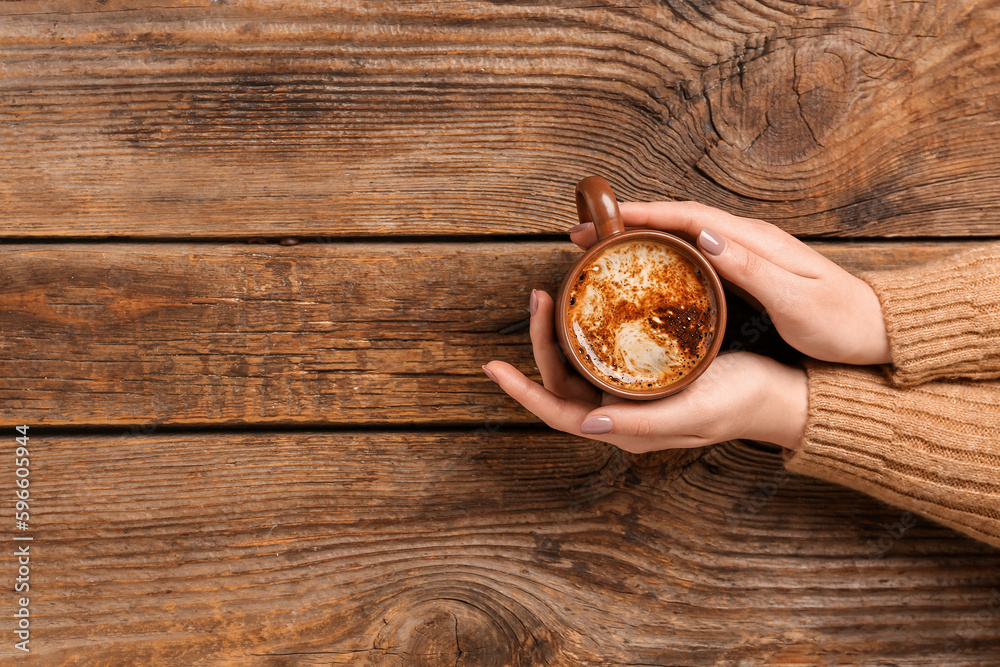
(818, 308)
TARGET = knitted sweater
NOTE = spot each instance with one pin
(924, 433)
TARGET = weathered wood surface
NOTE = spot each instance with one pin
(498, 548)
(315, 333)
(194, 118)
(448, 528)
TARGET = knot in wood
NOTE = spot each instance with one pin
(780, 102)
(472, 632)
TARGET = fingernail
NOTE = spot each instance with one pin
(579, 228)
(596, 425)
(712, 242)
(489, 374)
(533, 302)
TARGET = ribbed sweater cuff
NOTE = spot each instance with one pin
(943, 317)
(929, 449)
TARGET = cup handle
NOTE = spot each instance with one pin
(596, 203)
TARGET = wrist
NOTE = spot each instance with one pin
(879, 350)
(784, 406)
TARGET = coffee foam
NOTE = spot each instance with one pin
(641, 315)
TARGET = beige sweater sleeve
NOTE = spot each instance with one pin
(943, 317)
(932, 449)
(907, 436)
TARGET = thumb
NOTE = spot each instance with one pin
(744, 268)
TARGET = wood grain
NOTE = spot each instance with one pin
(508, 548)
(361, 493)
(374, 333)
(197, 119)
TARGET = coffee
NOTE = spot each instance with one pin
(641, 315)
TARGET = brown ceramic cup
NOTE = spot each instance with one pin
(642, 313)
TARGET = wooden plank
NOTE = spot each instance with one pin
(202, 119)
(348, 333)
(499, 548)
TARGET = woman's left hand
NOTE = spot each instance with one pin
(740, 395)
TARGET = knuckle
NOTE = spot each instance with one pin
(700, 209)
(749, 264)
(638, 426)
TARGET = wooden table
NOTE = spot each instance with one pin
(246, 450)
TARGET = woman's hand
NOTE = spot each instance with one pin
(741, 395)
(817, 307)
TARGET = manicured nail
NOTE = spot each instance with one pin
(579, 228)
(711, 242)
(596, 425)
(489, 374)
(533, 302)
